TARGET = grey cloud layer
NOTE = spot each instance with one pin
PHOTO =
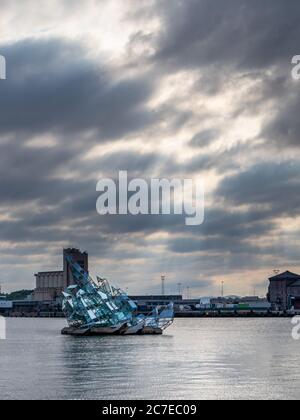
(55, 89)
(240, 34)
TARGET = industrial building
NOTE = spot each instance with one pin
(283, 296)
(50, 284)
(284, 291)
(5, 306)
(148, 303)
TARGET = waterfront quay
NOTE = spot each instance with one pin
(237, 314)
(30, 309)
(45, 301)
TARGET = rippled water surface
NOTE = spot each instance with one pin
(195, 359)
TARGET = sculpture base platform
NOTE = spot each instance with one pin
(85, 332)
(151, 331)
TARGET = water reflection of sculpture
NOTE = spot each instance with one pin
(97, 308)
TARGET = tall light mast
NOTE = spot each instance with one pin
(163, 279)
(179, 288)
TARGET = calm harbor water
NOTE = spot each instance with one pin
(195, 359)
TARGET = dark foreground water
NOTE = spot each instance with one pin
(195, 359)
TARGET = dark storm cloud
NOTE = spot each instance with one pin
(52, 86)
(228, 233)
(218, 244)
(28, 173)
(242, 34)
(222, 227)
(227, 222)
(284, 128)
(204, 138)
(274, 186)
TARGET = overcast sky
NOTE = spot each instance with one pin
(161, 88)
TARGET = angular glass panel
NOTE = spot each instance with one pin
(90, 304)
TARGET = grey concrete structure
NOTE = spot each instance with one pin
(80, 257)
(50, 284)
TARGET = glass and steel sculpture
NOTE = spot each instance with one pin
(95, 308)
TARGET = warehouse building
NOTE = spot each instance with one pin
(5, 305)
(284, 291)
